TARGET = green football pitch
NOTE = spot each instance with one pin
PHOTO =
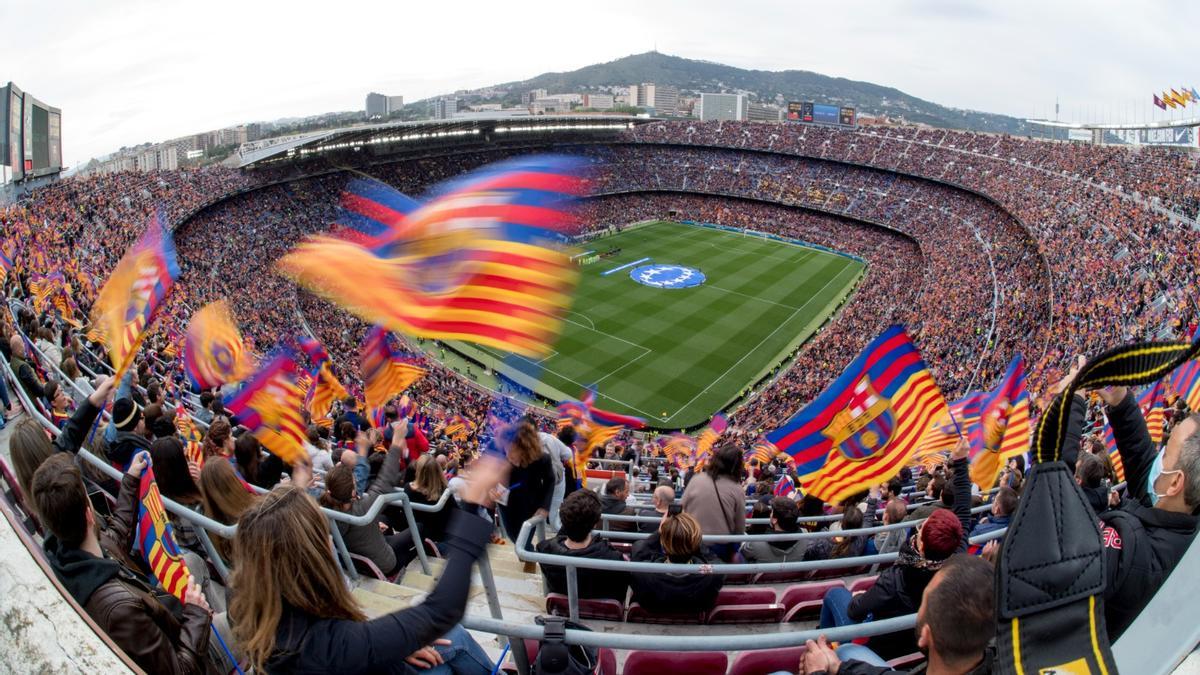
(677, 355)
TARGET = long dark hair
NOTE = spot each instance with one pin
(726, 461)
(171, 471)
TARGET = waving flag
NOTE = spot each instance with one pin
(6, 266)
(1153, 403)
(1114, 455)
(214, 353)
(133, 294)
(459, 428)
(761, 451)
(784, 487)
(1158, 102)
(322, 394)
(269, 406)
(944, 432)
(476, 263)
(314, 350)
(155, 538)
(864, 428)
(1003, 429)
(606, 418)
(385, 371)
(1185, 383)
(192, 438)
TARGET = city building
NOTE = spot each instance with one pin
(598, 101)
(443, 108)
(764, 112)
(722, 107)
(382, 105)
(546, 105)
(662, 99)
(530, 96)
(377, 105)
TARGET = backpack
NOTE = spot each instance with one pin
(555, 657)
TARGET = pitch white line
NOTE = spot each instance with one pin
(597, 330)
(620, 368)
(752, 297)
(768, 337)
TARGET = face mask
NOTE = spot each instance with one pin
(1156, 470)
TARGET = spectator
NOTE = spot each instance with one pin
(678, 592)
(219, 441)
(955, 623)
(224, 498)
(613, 503)
(389, 554)
(580, 515)
(891, 540)
(204, 414)
(559, 452)
(157, 638)
(26, 375)
(715, 498)
(661, 500)
(131, 432)
(292, 610)
(1004, 504)
(531, 486)
(937, 494)
(785, 519)
(29, 447)
(1156, 522)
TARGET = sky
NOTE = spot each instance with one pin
(130, 71)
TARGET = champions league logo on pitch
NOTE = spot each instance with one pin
(667, 276)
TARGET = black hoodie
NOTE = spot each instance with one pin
(682, 592)
(592, 583)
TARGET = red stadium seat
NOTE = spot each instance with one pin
(365, 566)
(839, 572)
(863, 584)
(639, 614)
(736, 579)
(766, 661)
(803, 602)
(781, 577)
(603, 609)
(692, 663)
(907, 662)
(761, 613)
(746, 596)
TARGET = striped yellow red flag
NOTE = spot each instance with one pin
(269, 406)
(133, 294)
(385, 372)
(214, 353)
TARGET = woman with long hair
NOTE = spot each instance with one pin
(531, 477)
(225, 498)
(292, 611)
(218, 442)
(716, 500)
(426, 488)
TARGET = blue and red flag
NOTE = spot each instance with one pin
(478, 262)
(1003, 429)
(385, 370)
(866, 425)
(1114, 456)
(1185, 383)
(269, 406)
(214, 353)
(784, 487)
(315, 351)
(133, 293)
(155, 539)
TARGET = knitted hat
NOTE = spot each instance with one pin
(126, 414)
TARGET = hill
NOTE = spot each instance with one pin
(692, 76)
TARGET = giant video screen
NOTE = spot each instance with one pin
(826, 114)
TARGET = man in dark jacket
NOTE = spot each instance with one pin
(954, 626)
(25, 373)
(1003, 506)
(131, 432)
(662, 498)
(613, 503)
(1148, 533)
(580, 513)
(159, 635)
(785, 515)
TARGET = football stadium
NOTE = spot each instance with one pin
(734, 372)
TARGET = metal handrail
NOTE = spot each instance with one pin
(616, 517)
(572, 563)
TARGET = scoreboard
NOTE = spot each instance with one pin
(31, 138)
(821, 113)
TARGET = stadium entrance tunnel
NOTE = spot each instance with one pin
(667, 276)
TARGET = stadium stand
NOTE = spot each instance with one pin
(1059, 248)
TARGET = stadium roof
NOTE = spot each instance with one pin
(1161, 124)
(385, 139)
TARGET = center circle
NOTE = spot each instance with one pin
(667, 276)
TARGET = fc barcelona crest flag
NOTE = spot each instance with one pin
(155, 539)
(866, 425)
